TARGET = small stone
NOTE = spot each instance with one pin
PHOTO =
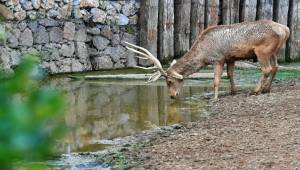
(26, 38)
(49, 22)
(100, 43)
(36, 3)
(81, 50)
(89, 3)
(131, 59)
(22, 25)
(85, 15)
(33, 25)
(52, 13)
(56, 34)
(47, 4)
(106, 32)
(26, 5)
(133, 20)
(116, 5)
(15, 2)
(12, 41)
(76, 66)
(21, 15)
(65, 12)
(123, 20)
(129, 8)
(116, 53)
(119, 65)
(115, 40)
(94, 31)
(99, 15)
(81, 35)
(69, 30)
(32, 15)
(67, 50)
(77, 13)
(41, 36)
(129, 38)
(103, 62)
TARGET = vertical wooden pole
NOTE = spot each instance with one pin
(249, 10)
(166, 30)
(148, 27)
(230, 11)
(265, 9)
(295, 33)
(280, 15)
(212, 14)
(197, 19)
(182, 27)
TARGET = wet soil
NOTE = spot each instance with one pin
(244, 132)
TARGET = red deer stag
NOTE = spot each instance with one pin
(224, 44)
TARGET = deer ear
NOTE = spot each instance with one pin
(173, 62)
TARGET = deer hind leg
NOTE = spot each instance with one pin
(218, 70)
(274, 65)
(230, 73)
(264, 61)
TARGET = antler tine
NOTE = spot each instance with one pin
(154, 77)
(146, 68)
(148, 55)
(138, 52)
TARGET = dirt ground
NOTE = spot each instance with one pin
(245, 132)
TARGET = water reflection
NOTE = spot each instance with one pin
(100, 110)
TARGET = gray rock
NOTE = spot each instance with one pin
(76, 66)
(67, 50)
(56, 34)
(106, 32)
(69, 31)
(41, 36)
(94, 31)
(131, 59)
(47, 4)
(22, 25)
(49, 22)
(89, 3)
(133, 20)
(128, 8)
(53, 68)
(81, 35)
(103, 62)
(86, 15)
(65, 12)
(116, 53)
(26, 5)
(4, 59)
(119, 64)
(116, 5)
(129, 38)
(32, 15)
(33, 25)
(21, 15)
(99, 15)
(81, 50)
(15, 58)
(12, 41)
(52, 13)
(36, 3)
(123, 20)
(26, 38)
(65, 65)
(100, 43)
(115, 40)
(16, 32)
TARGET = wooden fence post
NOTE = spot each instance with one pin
(249, 10)
(166, 30)
(148, 27)
(230, 11)
(212, 15)
(295, 33)
(280, 15)
(265, 9)
(197, 19)
(182, 27)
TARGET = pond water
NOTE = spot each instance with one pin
(106, 109)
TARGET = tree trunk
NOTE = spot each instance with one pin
(249, 10)
(182, 27)
(230, 11)
(265, 9)
(295, 33)
(148, 27)
(166, 30)
(197, 19)
(212, 12)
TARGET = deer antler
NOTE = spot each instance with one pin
(147, 55)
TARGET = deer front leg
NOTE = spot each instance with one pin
(262, 82)
(230, 73)
(218, 70)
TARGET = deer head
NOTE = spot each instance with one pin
(173, 79)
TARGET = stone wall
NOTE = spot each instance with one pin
(71, 35)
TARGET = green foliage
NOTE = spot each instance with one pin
(28, 116)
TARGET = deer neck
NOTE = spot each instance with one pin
(190, 63)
